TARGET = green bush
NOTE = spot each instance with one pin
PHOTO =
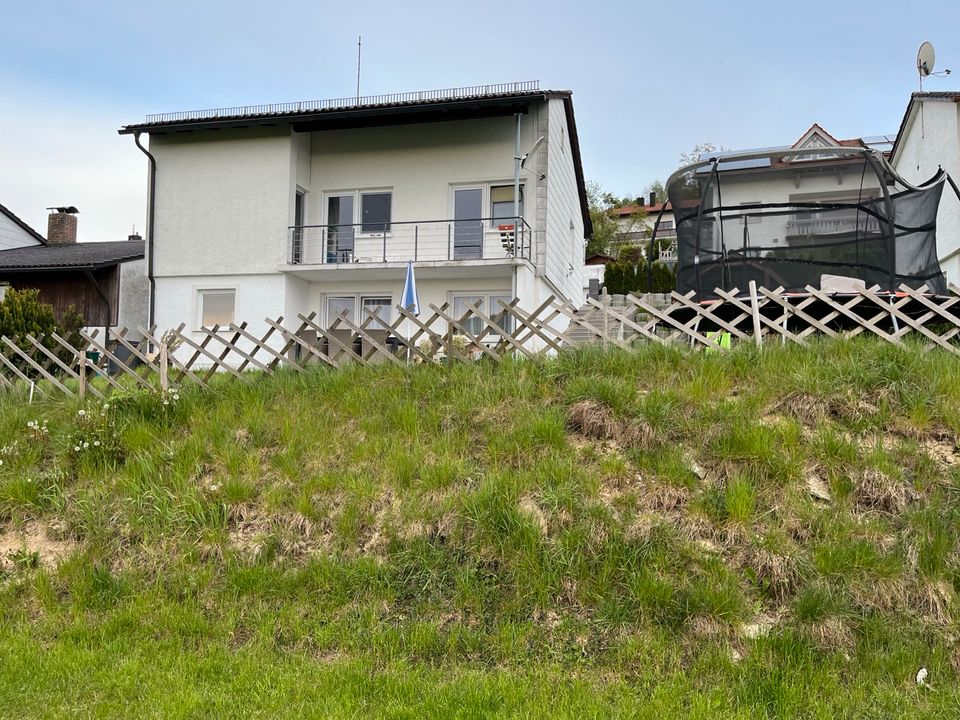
(22, 313)
(630, 274)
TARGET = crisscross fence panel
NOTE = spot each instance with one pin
(148, 358)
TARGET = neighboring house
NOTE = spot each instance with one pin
(928, 139)
(638, 220)
(811, 177)
(15, 233)
(317, 207)
(104, 281)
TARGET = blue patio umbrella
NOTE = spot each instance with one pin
(410, 300)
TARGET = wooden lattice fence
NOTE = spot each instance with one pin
(149, 358)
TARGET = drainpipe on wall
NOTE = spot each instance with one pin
(150, 224)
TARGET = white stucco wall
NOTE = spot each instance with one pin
(563, 264)
(14, 236)
(134, 295)
(925, 144)
(222, 202)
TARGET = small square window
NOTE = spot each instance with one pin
(380, 305)
(501, 204)
(217, 307)
(375, 212)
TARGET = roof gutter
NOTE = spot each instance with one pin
(151, 200)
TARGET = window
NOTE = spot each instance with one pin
(337, 305)
(217, 307)
(490, 306)
(501, 204)
(373, 304)
(375, 212)
(340, 228)
(473, 324)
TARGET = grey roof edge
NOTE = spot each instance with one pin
(935, 96)
(213, 119)
(33, 233)
(75, 256)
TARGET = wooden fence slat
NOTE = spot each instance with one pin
(16, 371)
(206, 353)
(172, 358)
(263, 342)
(294, 340)
(459, 325)
(36, 366)
(119, 363)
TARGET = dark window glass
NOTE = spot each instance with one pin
(375, 212)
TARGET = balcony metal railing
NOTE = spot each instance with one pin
(422, 241)
(829, 226)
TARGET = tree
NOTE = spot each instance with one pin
(22, 313)
(699, 150)
(658, 190)
(608, 227)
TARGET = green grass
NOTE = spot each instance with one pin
(592, 535)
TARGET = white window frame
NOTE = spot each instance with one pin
(198, 313)
(487, 308)
(358, 298)
(486, 202)
(357, 194)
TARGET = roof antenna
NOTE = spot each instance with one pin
(359, 42)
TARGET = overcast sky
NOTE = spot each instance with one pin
(650, 80)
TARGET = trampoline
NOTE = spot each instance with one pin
(869, 229)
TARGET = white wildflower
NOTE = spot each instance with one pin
(76, 448)
(81, 413)
(96, 443)
(922, 676)
(86, 445)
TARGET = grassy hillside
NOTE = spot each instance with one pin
(664, 534)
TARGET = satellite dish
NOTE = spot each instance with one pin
(925, 59)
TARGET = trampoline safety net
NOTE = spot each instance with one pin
(873, 229)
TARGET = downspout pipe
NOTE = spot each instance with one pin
(151, 200)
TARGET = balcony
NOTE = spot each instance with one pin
(803, 227)
(397, 242)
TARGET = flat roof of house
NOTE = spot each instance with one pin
(73, 256)
(382, 107)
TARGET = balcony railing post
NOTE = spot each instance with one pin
(449, 240)
(416, 240)
(384, 244)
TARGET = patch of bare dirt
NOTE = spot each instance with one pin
(48, 543)
(831, 634)
(875, 491)
(530, 509)
(598, 422)
(812, 410)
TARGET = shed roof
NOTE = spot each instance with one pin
(75, 256)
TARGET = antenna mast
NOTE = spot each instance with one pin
(359, 42)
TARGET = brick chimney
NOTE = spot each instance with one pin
(62, 226)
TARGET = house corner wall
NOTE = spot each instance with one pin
(564, 245)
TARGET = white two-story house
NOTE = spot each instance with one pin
(317, 207)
